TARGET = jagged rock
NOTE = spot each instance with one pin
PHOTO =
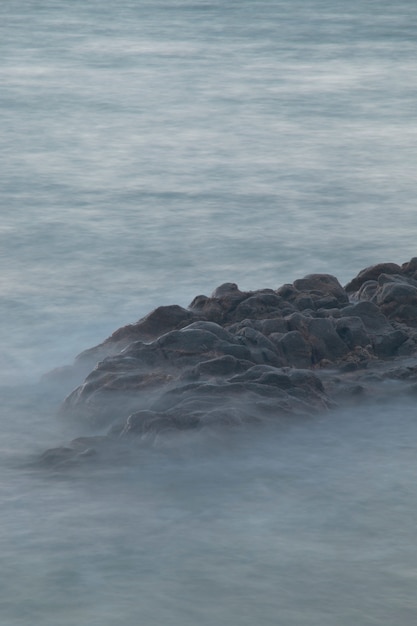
(352, 332)
(226, 365)
(394, 294)
(325, 341)
(297, 351)
(240, 357)
(410, 268)
(371, 273)
(263, 305)
(159, 321)
(373, 319)
(226, 289)
(324, 286)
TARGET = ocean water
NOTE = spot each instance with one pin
(149, 152)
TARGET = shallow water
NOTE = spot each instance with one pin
(308, 525)
(150, 152)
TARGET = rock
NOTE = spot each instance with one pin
(159, 321)
(297, 351)
(187, 342)
(262, 349)
(410, 268)
(373, 319)
(325, 342)
(275, 325)
(388, 344)
(371, 273)
(222, 304)
(395, 295)
(352, 332)
(322, 285)
(226, 289)
(242, 357)
(259, 306)
(213, 328)
(226, 365)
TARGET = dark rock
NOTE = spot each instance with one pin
(188, 341)
(396, 292)
(335, 313)
(373, 319)
(322, 285)
(305, 301)
(257, 372)
(298, 321)
(371, 273)
(288, 292)
(328, 302)
(209, 308)
(226, 365)
(367, 291)
(275, 325)
(259, 306)
(352, 332)
(240, 357)
(410, 267)
(156, 323)
(325, 342)
(297, 351)
(407, 348)
(388, 344)
(226, 289)
(213, 328)
(261, 348)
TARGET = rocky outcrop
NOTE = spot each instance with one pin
(241, 357)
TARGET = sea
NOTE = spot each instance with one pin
(151, 151)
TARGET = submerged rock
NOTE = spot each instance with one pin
(246, 357)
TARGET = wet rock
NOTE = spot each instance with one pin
(394, 294)
(226, 365)
(264, 305)
(297, 351)
(240, 357)
(352, 332)
(325, 342)
(226, 289)
(187, 342)
(221, 306)
(275, 325)
(262, 349)
(373, 319)
(209, 308)
(322, 285)
(367, 291)
(410, 268)
(213, 328)
(371, 273)
(305, 302)
(388, 344)
(156, 323)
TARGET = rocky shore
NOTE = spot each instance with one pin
(238, 358)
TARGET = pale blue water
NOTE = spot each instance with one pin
(149, 152)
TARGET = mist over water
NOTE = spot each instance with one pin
(150, 152)
(304, 525)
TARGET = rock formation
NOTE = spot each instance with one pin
(245, 357)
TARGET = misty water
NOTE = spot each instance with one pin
(150, 152)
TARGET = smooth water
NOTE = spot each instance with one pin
(151, 151)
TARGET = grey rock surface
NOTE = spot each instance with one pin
(246, 357)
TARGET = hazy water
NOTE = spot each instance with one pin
(151, 151)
